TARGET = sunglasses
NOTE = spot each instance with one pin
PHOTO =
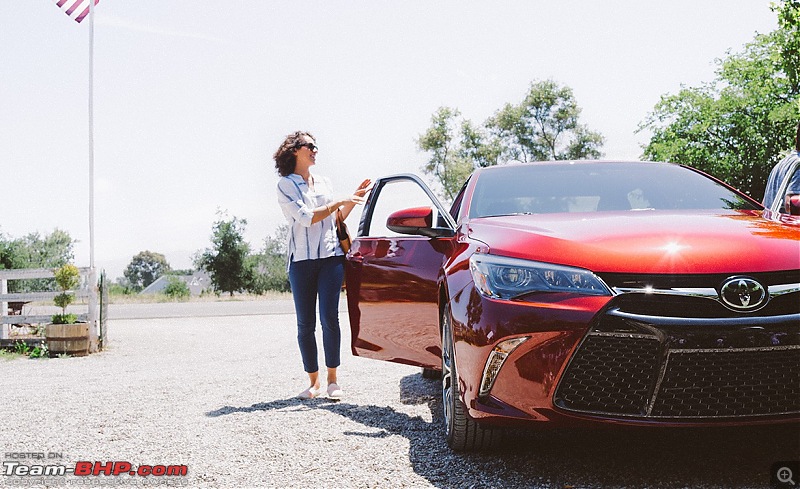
(310, 146)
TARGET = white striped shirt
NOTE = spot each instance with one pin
(308, 241)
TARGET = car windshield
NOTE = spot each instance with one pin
(592, 187)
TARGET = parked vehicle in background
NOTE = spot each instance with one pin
(565, 293)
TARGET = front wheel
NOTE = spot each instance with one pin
(462, 432)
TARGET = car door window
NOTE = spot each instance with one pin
(456, 207)
(393, 195)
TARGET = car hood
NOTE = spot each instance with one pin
(646, 241)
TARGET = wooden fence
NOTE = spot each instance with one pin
(12, 305)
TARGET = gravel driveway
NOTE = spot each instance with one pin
(216, 394)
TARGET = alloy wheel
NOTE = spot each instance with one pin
(447, 372)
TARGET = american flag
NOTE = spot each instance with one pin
(76, 9)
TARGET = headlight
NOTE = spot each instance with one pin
(506, 278)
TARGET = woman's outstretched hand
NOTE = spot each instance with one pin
(359, 196)
(364, 188)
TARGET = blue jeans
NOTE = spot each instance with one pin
(309, 279)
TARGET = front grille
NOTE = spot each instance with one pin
(730, 383)
(611, 375)
(698, 295)
(697, 307)
(668, 281)
(696, 367)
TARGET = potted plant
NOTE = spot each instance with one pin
(65, 335)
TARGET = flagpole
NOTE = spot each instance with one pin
(95, 332)
(91, 134)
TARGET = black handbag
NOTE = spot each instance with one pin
(341, 232)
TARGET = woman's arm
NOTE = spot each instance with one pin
(324, 211)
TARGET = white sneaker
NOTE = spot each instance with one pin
(310, 393)
(334, 391)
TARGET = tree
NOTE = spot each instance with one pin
(226, 260)
(67, 278)
(11, 256)
(788, 38)
(51, 251)
(54, 250)
(737, 126)
(269, 266)
(145, 268)
(450, 163)
(544, 126)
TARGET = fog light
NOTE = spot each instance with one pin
(495, 362)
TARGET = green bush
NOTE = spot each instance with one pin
(22, 348)
(176, 288)
(64, 319)
(119, 289)
(40, 351)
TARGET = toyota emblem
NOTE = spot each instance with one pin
(743, 294)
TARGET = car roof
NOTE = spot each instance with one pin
(517, 164)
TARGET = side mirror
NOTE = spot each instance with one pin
(417, 221)
(792, 204)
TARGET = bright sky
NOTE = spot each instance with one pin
(193, 97)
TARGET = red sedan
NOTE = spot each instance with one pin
(574, 292)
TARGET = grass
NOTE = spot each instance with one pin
(6, 355)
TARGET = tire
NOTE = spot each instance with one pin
(462, 433)
(429, 373)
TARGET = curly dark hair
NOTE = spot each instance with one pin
(285, 158)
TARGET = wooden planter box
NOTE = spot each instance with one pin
(72, 339)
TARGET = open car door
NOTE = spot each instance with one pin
(393, 267)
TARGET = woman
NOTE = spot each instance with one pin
(316, 260)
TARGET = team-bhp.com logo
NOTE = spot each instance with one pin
(84, 468)
(743, 294)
